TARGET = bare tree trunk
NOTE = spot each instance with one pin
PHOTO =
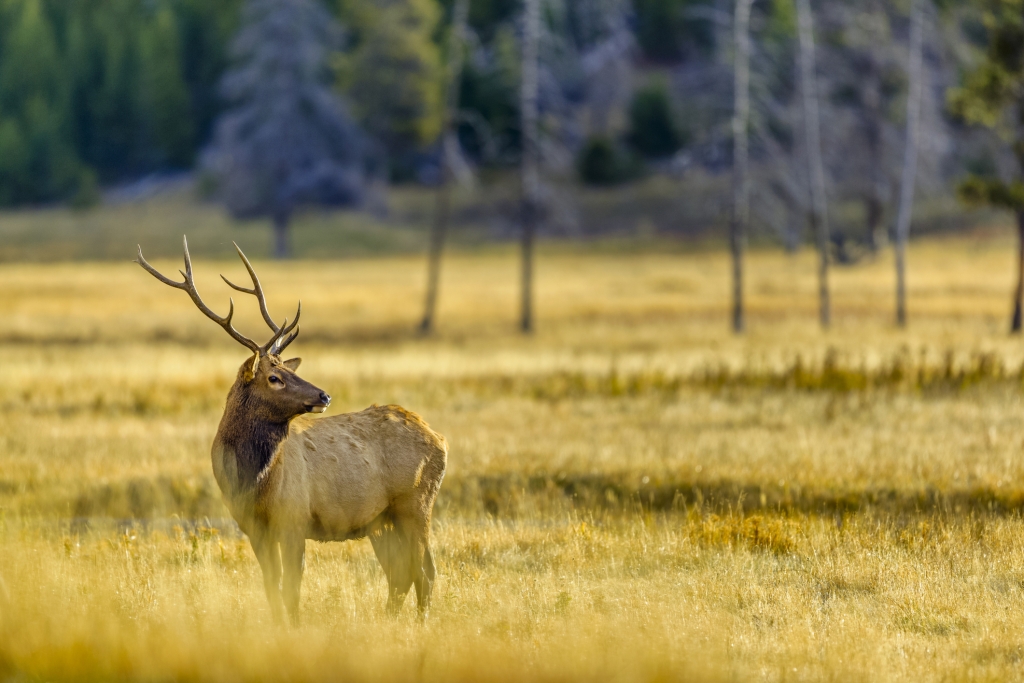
(819, 203)
(874, 209)
(529, 174)
(438, 234)
(741, 158)
(449, 142)
(282, 249)
(874, 203)
(1018, 297)
(914, 73)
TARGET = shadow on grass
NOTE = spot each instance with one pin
(511, 496)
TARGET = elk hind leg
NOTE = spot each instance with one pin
(392, 550)
(416, 529)
(424, 582)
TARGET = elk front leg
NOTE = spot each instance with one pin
(266, 548)
(293, 557)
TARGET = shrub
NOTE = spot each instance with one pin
(653, 128)
(602, 162)
(665, 33)
(87, 194)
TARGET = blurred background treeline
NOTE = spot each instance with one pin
(96, 95)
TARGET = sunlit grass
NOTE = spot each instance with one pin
(633, 599)
(633, 493)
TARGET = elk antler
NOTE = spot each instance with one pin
(284, 335)
(287, 334)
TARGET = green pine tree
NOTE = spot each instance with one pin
(205, 30)
(395, 78)
(993, 95)
(653, 126)
(104, 68)
(37, 161)
(165, 97)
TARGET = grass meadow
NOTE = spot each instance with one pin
(633, 493)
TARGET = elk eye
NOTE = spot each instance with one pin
(274, 379)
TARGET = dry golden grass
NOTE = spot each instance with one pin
(633, 494)
(634, 598)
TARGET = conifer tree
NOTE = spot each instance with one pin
(37, 161)
(395, 77)
(993, 95)
(286, 140)
(165, 96)
(103, 69)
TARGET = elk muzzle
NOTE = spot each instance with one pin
(321, 406)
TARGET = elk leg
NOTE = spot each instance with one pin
(269, 558)
(293, 559)
(391, 548)
(424, 582)
(415, 525)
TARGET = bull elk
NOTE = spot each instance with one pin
(287, 477)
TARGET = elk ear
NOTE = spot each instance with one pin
(250, 372)
(292, 363)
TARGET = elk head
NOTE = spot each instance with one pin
(266, 385)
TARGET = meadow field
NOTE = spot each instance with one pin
(633, 493)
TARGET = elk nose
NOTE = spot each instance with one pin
(325, 398)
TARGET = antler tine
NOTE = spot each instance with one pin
(157, 274)
(190, 287)
(286, 335)
(188, 260)
(257, 289)
(282, 345)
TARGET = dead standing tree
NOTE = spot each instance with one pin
(812, 130)
(741, 157)
(449, 143)
(915, 74)
(529, 162)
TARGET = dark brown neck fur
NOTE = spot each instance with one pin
(249, 435)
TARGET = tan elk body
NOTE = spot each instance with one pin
(287, 477)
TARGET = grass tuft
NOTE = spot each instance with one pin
(755, 532)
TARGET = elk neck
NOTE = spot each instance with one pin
(246, 431)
